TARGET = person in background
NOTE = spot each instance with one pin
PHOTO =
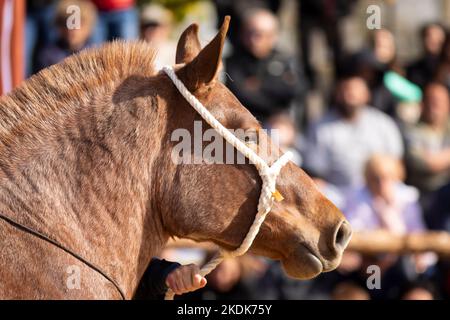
(263, 79)
(275, 284)
(12, 18)
(442, 72)
(384, 202)
(69, 41)
(234, 278)
(428, 143)
(156, 26)
(340, 143)
(422, 70)
(372, 64)
(438, 214)
(162, 275)
(324, 15)
(117, 19)
(39, 30)
(418, 291)
(348, 290)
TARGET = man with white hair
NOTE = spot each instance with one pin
(339, 144)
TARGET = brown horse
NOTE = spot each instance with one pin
(89, 193)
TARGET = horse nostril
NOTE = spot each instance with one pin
(342, 236)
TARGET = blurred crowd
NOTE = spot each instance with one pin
(380, 150)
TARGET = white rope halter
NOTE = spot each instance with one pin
(268, 175)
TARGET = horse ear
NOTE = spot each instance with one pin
(188, 45)
(204, 68)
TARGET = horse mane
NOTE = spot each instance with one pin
(70, 83)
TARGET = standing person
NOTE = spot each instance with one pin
(339, 144)
(428, 142)
(117, 19)
(324, 15)
(283, 131)
(422, 70)
(234, 278)
(262, 78)
(12, 16)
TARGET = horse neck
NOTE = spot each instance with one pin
(89, 185)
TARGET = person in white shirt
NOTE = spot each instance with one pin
(386, 203)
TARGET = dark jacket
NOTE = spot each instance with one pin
(153, 283)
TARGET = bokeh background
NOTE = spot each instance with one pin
(364, 108)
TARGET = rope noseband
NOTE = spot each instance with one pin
(268, 175)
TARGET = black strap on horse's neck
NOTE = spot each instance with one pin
(60, 246)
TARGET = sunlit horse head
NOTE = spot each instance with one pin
(89, 188)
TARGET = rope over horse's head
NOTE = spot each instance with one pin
(218, 201)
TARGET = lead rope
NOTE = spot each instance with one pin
(268, 175)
